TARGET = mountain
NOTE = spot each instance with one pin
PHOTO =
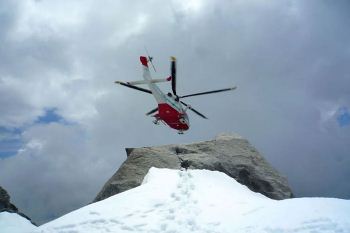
(11, 219)
(229, 187)
(202, 201)
(228, 153)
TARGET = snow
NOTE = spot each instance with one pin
(14, 223)
(202, 201)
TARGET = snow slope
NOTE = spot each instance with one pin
(14, 223)
(202, 201)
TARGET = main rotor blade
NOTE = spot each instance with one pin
(173, 75)
(194, 110)
(150, 59)
(209, 92)
(133, 87)
(152, 111)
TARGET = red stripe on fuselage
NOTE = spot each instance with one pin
(171, 117)
(144, 61)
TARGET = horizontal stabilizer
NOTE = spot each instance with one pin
(149, 81)
(133, 87)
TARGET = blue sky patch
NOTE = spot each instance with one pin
(11, 139)
(49, 117)
(343, 117)
(10, 142)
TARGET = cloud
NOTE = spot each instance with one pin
(47, 168)
(70, 123)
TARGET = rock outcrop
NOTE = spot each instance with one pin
(7, 206)
(230, 154)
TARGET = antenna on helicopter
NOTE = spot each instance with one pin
(150, 59)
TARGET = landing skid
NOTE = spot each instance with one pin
(180, 132)
(156, 121)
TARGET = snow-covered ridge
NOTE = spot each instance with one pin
(202, 201)
(15, 223)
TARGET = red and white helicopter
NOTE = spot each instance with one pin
(170, 110)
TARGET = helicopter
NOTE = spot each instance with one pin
(171, 110)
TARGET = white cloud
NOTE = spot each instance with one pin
(54, 166)
(48, 18)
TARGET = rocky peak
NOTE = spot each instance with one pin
(228, 153)
(7, 206)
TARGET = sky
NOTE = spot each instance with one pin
(64, 124)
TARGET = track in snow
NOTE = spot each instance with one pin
(177, 213)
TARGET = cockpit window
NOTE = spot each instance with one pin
(186, 117)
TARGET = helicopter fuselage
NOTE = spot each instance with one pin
(170, 110)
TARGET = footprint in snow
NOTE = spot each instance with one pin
(163, 226)
(98, 221)
(214, 223)
(65, 227)
(175, 197)
(127, 228)
(94, 213)
(148, 211)
(192, 186)
(158, 205)
(128, 215)
(140, 225)
(170, 217)
(115, 221)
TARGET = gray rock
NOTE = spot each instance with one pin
(7, 206)
(230, 154)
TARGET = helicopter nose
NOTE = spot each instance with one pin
(184, 119)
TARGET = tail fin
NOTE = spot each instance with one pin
(144, 61)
